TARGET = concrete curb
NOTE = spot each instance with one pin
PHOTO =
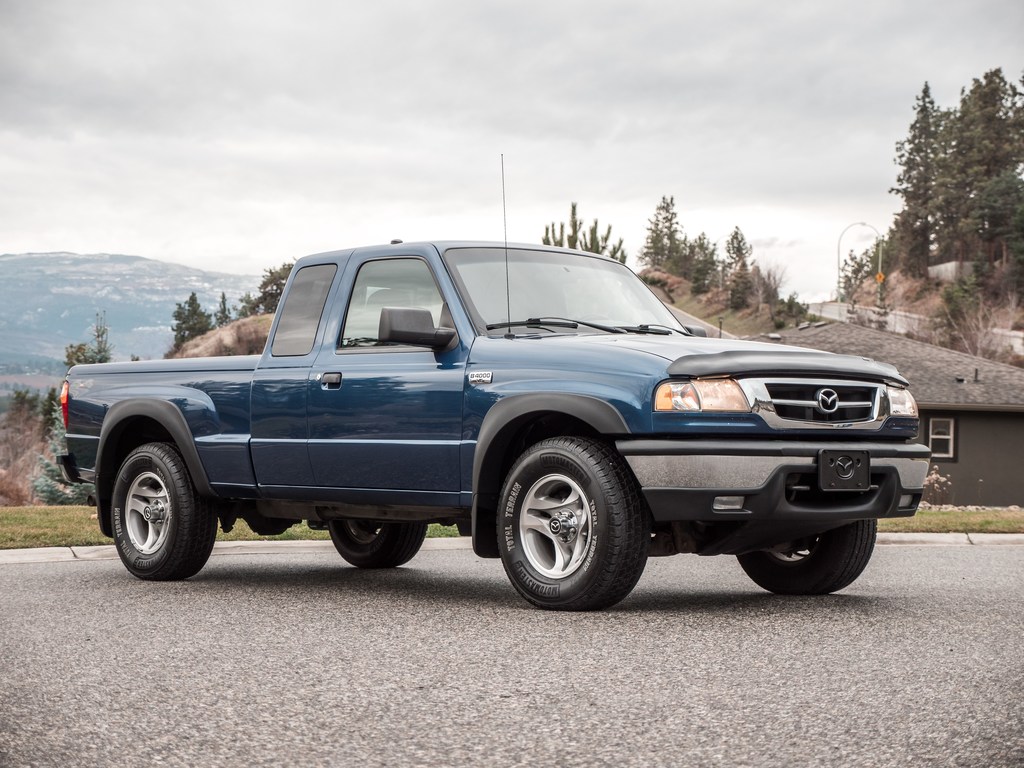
(107, 552)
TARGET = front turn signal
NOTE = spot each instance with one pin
(901, 402)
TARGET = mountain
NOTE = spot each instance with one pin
(51, 300)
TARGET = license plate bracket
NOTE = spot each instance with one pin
(844, 470)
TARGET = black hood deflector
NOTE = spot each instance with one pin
(779, 362)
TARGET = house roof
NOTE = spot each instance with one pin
(938, 377)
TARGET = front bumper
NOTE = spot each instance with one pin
(771, 480)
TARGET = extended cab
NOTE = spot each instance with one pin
(542, 399)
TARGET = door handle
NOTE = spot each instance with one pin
(330, 381)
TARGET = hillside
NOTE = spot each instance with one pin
(52, 299)
(241, 337)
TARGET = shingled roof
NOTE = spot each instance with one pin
(939, 377)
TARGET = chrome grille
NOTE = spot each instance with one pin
(820, 403)
(800, 401)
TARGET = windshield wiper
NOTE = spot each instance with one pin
(555, 322)
(659, 330)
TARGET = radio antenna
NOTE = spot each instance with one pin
(504, 219)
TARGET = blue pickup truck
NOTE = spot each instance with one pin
(542, 399)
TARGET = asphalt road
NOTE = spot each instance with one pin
(298, 659)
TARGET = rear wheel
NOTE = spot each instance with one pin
(816, 565)
(163, 528)
(370, 544)
(573, 529)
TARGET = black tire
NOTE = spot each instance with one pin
(164, 530)
(573, 529)
(819, 565)
(370, 544)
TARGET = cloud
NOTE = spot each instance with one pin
(253, 133)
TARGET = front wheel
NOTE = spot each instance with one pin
(163, 528)
(573, 530)
(816, 565)
(369, 544)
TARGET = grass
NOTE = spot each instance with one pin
(958, 520)
(27, 527)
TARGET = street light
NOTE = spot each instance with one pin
(839, 254)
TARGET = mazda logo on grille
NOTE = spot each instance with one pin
(828, 400)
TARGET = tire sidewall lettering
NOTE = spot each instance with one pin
(524, 475)
(131, 556)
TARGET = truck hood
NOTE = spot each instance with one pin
(694, 356)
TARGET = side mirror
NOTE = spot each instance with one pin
(696, 330)
(405, 325)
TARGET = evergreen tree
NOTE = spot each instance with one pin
(704, 264)
(592, 242)
(247, 306)
(856, 269)
(583, 240)
(995, 211)
(223, 315)
(271, 288)
(983, 139)
(99, 350)
(1015, 248)
(738, 252)
(190, 321)
(665, 246)
(49, 485)
(560, 237)
(917, 156)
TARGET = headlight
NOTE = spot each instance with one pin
(701, 395)
(901, 402)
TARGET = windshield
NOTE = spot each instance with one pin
(553, 284)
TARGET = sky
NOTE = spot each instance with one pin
(235, 136)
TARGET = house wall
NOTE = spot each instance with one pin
(987, 467)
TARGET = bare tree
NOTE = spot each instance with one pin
(973, 327)
(767, 283)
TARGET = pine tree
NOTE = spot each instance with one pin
(704, 264)
(917, 156)
(738, 253)
(271, 289)
(983, 139)
(49, 485)
(665, 247)
(560, 237)
(584, 240)
(190, 321)
(99, 350)
(856, 269)
(223, 315)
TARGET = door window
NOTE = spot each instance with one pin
(398, 283)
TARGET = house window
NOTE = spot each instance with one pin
(940, 437)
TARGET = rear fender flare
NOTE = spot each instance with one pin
(169, 416)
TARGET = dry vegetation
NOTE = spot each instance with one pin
(241, 337)
(21, 441)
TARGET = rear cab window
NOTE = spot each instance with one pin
(302, 311)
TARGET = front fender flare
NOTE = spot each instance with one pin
(499, 428)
